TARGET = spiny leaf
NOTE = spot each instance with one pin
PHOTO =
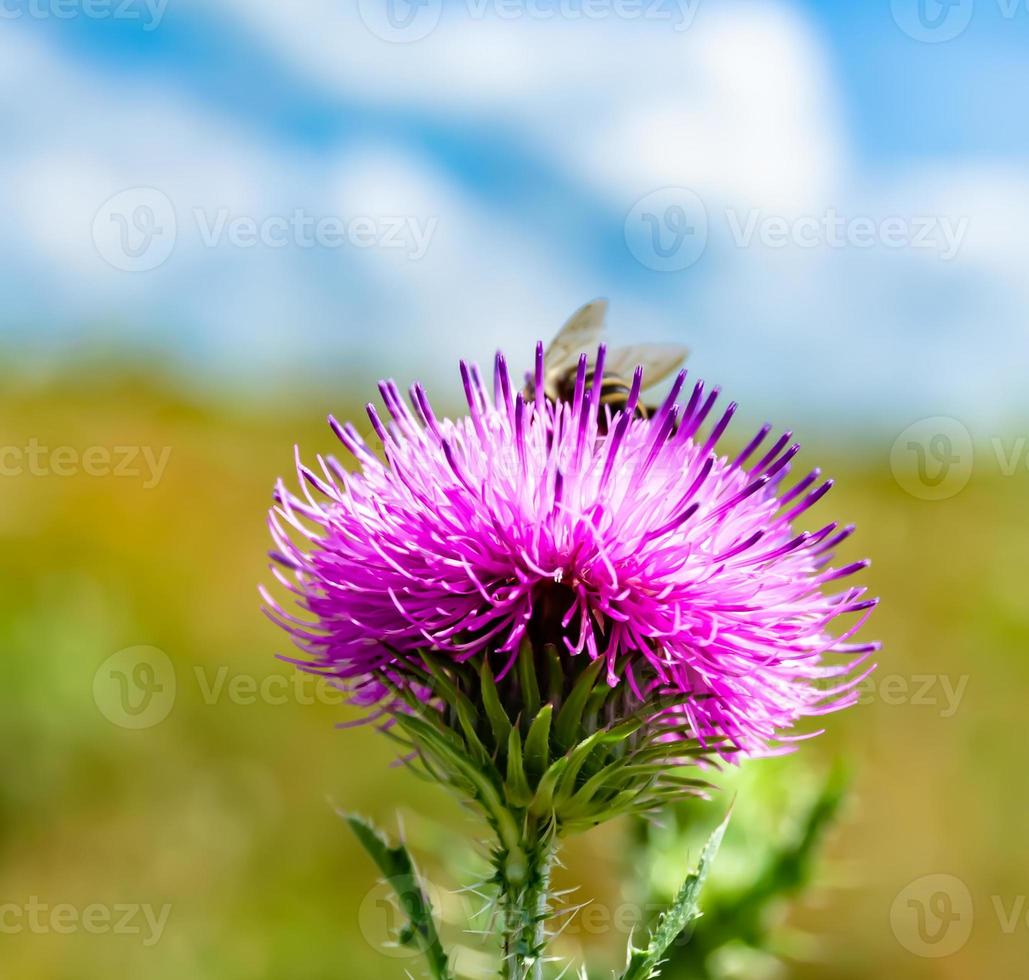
(643, 963)
(398, 868)
(785, 873)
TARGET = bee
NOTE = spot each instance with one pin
(581, 334)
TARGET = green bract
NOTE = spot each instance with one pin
(552, 743)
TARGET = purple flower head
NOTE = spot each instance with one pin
(615, 536)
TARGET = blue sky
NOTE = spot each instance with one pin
(825, 201)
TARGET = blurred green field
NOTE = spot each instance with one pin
(224, 810)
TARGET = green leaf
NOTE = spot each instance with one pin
(576, 760)
(555, 673)
(643, 964)
(537, 742)
(622, 731)
(450, 753)
(498, 719)
(583, 798)
(459, 703)
(398, 868)
(591, 719)
(671, 751)
(615, 806)
(527, 681)
(747, 912)
(518, 791)
(542, 804)
(568, 723)
(419, 728)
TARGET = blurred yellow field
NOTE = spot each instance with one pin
(191, 806)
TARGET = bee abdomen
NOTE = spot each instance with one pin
(614, 393)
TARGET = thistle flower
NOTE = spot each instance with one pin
(557, 605)
(618, 540)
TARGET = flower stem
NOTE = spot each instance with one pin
(524, 876)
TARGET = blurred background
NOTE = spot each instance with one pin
(224, 220)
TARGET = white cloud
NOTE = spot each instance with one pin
(253, 308)
(740, 107)
(740, 104)
(87, 137)
(483, 281)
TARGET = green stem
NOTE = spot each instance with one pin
(524, 878)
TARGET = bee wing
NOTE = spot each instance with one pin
(580, 334)
(658, 360)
